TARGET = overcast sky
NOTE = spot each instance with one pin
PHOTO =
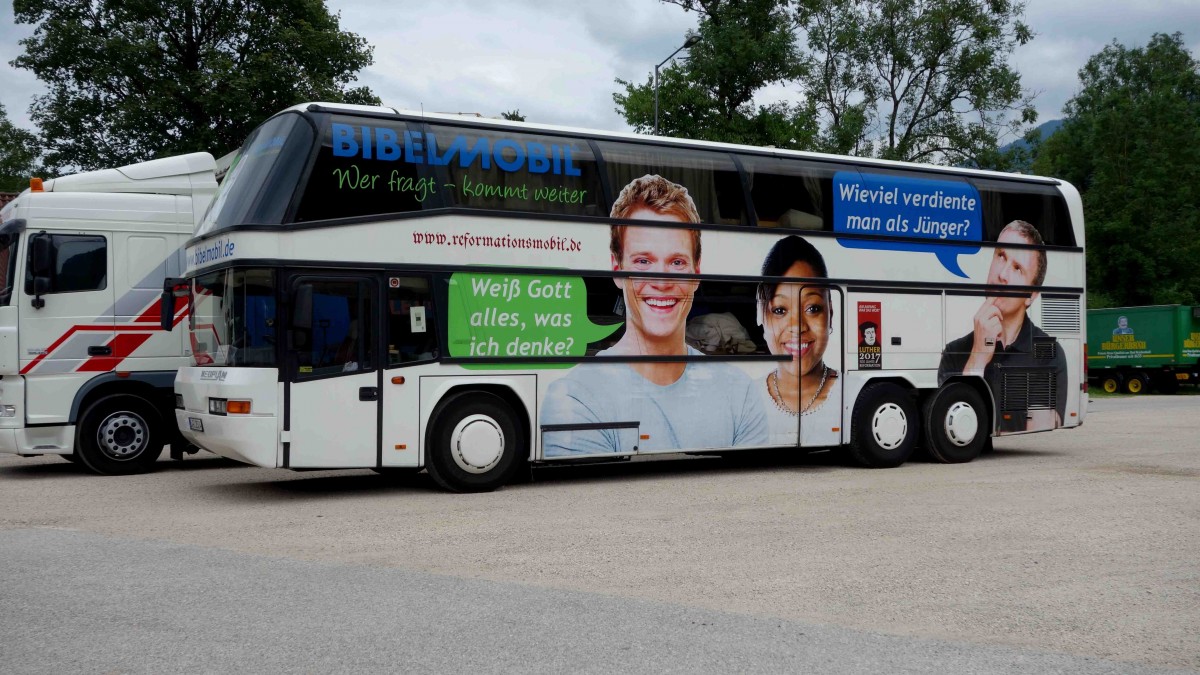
(557, 61)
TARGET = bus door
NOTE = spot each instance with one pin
(820, 417)
(334, 372)
(410, 337)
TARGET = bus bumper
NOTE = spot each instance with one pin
(250, 439)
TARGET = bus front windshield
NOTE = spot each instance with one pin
(233, 318)
(259, 186)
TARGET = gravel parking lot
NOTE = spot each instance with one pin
(1082, 545)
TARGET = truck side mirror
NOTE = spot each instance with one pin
(41, 266)
(41, 255)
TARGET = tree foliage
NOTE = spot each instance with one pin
(745, 45)
(513, 115)
(915, 80)
(131, 80)
(1129, 144)
(18, 155)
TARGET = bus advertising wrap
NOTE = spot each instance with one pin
(669, 288)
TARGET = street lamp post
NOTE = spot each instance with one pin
(690, 42)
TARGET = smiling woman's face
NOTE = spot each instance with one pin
(657, 306)
(796, 322)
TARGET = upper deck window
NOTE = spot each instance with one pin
(259, 186)
(499, 169)
(710, 177)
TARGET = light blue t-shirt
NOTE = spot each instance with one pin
(712, 405)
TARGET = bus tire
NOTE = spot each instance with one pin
(119, 435)
(72, 458)
(885, 426)
(475, 443)
(1112, 383)
(1137, 383)
(955, 424)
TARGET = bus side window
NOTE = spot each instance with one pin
(411, 336)
(335, 334)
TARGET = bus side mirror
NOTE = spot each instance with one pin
(172, 288)
(41, 266)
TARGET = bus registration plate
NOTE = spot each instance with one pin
(196, 424)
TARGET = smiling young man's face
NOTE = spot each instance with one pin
(657, 307)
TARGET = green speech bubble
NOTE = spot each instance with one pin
(510, 316)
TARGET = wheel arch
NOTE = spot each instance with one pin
(505, 391)
(155, 387)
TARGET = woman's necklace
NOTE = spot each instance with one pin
(778, 398)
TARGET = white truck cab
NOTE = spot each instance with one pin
(86, 371)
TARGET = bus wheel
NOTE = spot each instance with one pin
(1112, 383)
(475, 445)
(955, 424)
(119, 435)
(1136, 384)
(885, 426)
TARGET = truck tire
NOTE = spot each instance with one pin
(1112, 383)
(886, 426)
(119, 435)
(1137, 383)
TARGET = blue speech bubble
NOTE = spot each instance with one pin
(894, 206)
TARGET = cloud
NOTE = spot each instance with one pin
(557, 62)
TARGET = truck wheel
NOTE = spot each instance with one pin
(475, 445)
(1112, 383)
(885, 426)
(956, 426)
(119, 435)
(1137, 383)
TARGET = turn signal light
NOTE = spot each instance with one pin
(238, 407)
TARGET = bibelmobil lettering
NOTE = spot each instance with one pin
(384, 144)
(218, 250)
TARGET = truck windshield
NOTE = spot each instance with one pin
(233, 318)
(8, 266)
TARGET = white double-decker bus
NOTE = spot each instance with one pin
(382, 289)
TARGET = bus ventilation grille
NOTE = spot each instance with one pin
(1028, 391)
(1044, 349)
(1061, 315)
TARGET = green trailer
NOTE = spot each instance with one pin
(1132, 349)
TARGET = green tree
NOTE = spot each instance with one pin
(1129, 144)
(18, 155)
(745, 45)
(915, 80)
(131, 80)
(513, 116)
